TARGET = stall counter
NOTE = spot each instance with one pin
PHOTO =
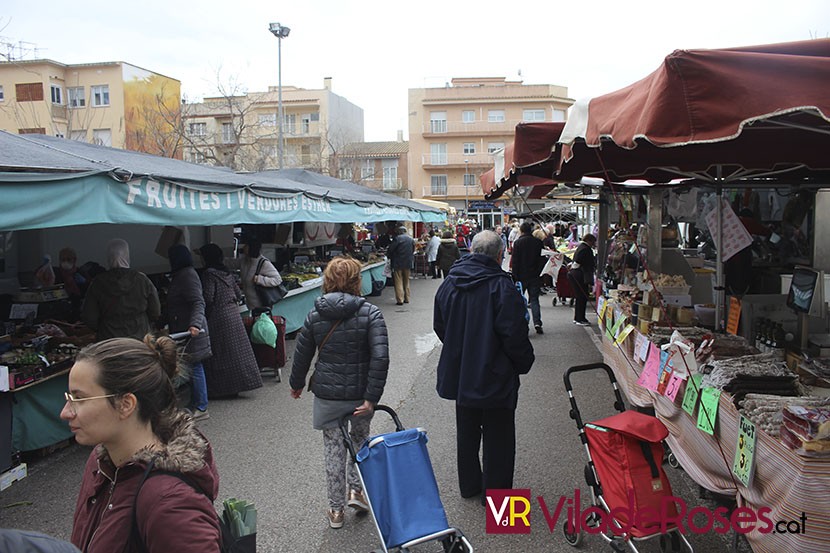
(787, 483)
(295, 306)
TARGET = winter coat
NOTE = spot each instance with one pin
(527, 261)
(232, 368)
(25, 541)
(186, 308)
(171, 515)
(268, 276)
(121, 303)
(402, 252)
(432, 249)
(584, 256)
(448, 253)
(480, 318)
(354, 361)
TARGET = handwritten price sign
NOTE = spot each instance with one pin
(744, 464)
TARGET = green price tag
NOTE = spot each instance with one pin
(690, 396)
(744, 464)
(707, 415)
(615, 330)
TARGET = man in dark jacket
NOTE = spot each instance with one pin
(581, 277)
(527, 263)
(401, 253)
(480, 318)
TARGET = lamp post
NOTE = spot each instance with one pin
(466, 190)
(280, 32)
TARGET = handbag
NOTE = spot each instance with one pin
(320, 348)
(269, 295)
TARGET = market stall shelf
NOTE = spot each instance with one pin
(790, 485)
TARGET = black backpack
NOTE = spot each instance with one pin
(227, 543)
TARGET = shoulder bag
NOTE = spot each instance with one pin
(320, 348)
(269, 295)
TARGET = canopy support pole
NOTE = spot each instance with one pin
(719, 296)
(604, 223)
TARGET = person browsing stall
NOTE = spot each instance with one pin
(401, 253)
(122, 401)
(350, 338)
(247, 263)
(581, 276)
(526, 264)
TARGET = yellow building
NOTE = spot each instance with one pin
(454, 131)
(111, 103)
(380, 166)
(240, 131)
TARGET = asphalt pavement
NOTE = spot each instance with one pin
(268, 453)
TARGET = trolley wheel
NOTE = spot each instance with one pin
(573, 539)
(452, 544)
(670, 543)
(554, 302)
(672, 460)
(572, 302)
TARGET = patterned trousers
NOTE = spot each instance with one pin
(338, 468)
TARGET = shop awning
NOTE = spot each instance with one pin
(443, 206)
(51, 182)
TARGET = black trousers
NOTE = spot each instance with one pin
(497, 429)
(577, 280)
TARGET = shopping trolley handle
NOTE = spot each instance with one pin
(344, 427)
(183, 335)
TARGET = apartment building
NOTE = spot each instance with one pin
(241, 131)
(380, 166)
(111, 103)
(454, 131)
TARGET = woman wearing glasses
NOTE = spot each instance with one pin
(121, 399)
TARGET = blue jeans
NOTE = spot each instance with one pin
(535, 310)
(198, 387)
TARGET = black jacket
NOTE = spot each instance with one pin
(480, 318)
(527, 261)
(584, 255)
(354, 361)
(186, 308)
(402, 252)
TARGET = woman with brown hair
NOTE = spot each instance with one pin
(349, 377)
(121, 399)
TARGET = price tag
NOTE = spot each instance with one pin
(602, 309)
(644, 349)
(638, 344)
(624, 334)
(615, 330)
(734, 316)
(649, 377)
(691, 394)
(744, 465)
(708, 413)
(673, 386)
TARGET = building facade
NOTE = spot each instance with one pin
(381, 166)
(112, 104)
(455, 130)
(241, 131)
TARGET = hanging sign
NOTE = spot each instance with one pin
(691, 395)
(650, 375)
(734, 316)
(708, 413)
(744, 464)
(624, 334)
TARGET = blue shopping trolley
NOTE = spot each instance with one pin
(401, 490)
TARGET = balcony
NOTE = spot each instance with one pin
(431, 129)
(453, 191)
(456, 161)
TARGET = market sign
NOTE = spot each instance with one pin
(99, 198)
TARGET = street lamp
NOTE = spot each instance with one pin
(466, 190)
(280, 32)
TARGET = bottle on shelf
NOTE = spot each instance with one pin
(759, 332)
(779, 341)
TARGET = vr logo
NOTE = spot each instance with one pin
(508, 511)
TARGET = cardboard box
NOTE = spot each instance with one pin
(13, 475)
(683, 300)
(170, 236)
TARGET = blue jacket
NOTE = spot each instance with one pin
(480, 318)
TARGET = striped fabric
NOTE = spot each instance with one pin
(787, 483)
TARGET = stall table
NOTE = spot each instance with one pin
(296, 305)
(788, 483)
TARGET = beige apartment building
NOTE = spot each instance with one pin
(455, 130)
(111, 103)
(241, 131)
(380, 166)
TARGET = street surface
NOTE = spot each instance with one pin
(268, 453)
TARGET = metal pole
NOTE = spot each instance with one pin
(466, 192)
(719, 295)
(279, 98)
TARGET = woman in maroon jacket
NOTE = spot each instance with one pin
(121, 399)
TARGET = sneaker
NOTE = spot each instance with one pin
(582, 323)
(539, 329)
(199, 415)
(357, 501)
(335, 518)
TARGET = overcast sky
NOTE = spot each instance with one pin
(376, 50)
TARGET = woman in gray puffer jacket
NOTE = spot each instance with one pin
(349, 375)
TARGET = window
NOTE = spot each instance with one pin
(346, 173)
(438, 121)
(495, 116)
(198, 129)
(57, 93)
(468, 116)
(2, 97)
(469, 148)
(438, 154)
(268, 119)
(102, 137)
(36, 130)
(315, 117)
(438, 185)
(494, 147)
(195, 157)
(305, 155)
(533, 115)
(390, 174)
(76, 96)
(290, 124)
(306, 123)
(559, 115)
(100, 95)
(29, 92)
(227, 133)
(78, 136)
(367, 171)
(469, 179)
